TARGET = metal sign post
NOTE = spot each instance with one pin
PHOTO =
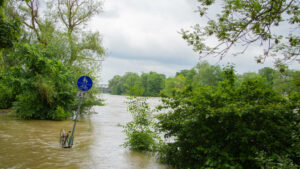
(76, 117)
(84, 83)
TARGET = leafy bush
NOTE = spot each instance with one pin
(226, 126)
(140, 137)
(9, 29)
(40, 79)
(48, 87)
(139, 140)
(60, 113)
(9, 87)
(6, 97)
(275, 161)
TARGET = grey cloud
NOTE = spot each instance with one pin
(118, 66)
(142, 36)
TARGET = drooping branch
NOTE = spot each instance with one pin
(246, 22)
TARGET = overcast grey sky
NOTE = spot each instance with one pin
(143, 35)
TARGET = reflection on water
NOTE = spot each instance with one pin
(97, 144)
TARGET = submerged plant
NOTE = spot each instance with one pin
(140, 136)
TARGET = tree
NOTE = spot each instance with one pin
(287, 82)
(80, 47)
(172, 84)
(115, 85)
(73, 14)
(248, 76)
(39, 73)
(9, 31)
(207, 74)
(155, 83)
(269, 74)
(183, 72)
(144, 81)
(148, 84)
(229, 125)
(243, 23)
(189, 78)
(48, 87)
(129, 80)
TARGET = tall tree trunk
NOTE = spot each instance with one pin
(73, 53)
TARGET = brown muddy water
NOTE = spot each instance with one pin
(97, 144)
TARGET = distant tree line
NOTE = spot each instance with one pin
(146, 84)
(155, 84)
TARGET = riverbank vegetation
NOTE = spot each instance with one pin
(43, 51)
(228, 125)
(214, 118)
(245, 123)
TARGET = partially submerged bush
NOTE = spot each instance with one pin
(139, 140)
(140, 136)
(226, 126)
(41, 87)
(47, 86)
(6, 96)
(9, 87)
(60, 113)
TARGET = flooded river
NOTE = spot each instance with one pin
(97, 144)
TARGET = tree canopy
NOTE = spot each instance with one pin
(61, 24)
(231, 125)
(43, 59)
(246, 22)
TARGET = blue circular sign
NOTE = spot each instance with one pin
(84, 83)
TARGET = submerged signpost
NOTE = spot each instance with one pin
(84, 84)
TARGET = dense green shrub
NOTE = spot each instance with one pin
(6, 97)
(40, 86)
(9, 29)
(9, 86)
(139, 140)
(39, 78)
(275, 162)
(228, 125)
(60, 113)
(47, 86)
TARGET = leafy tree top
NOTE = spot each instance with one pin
(244, 22)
